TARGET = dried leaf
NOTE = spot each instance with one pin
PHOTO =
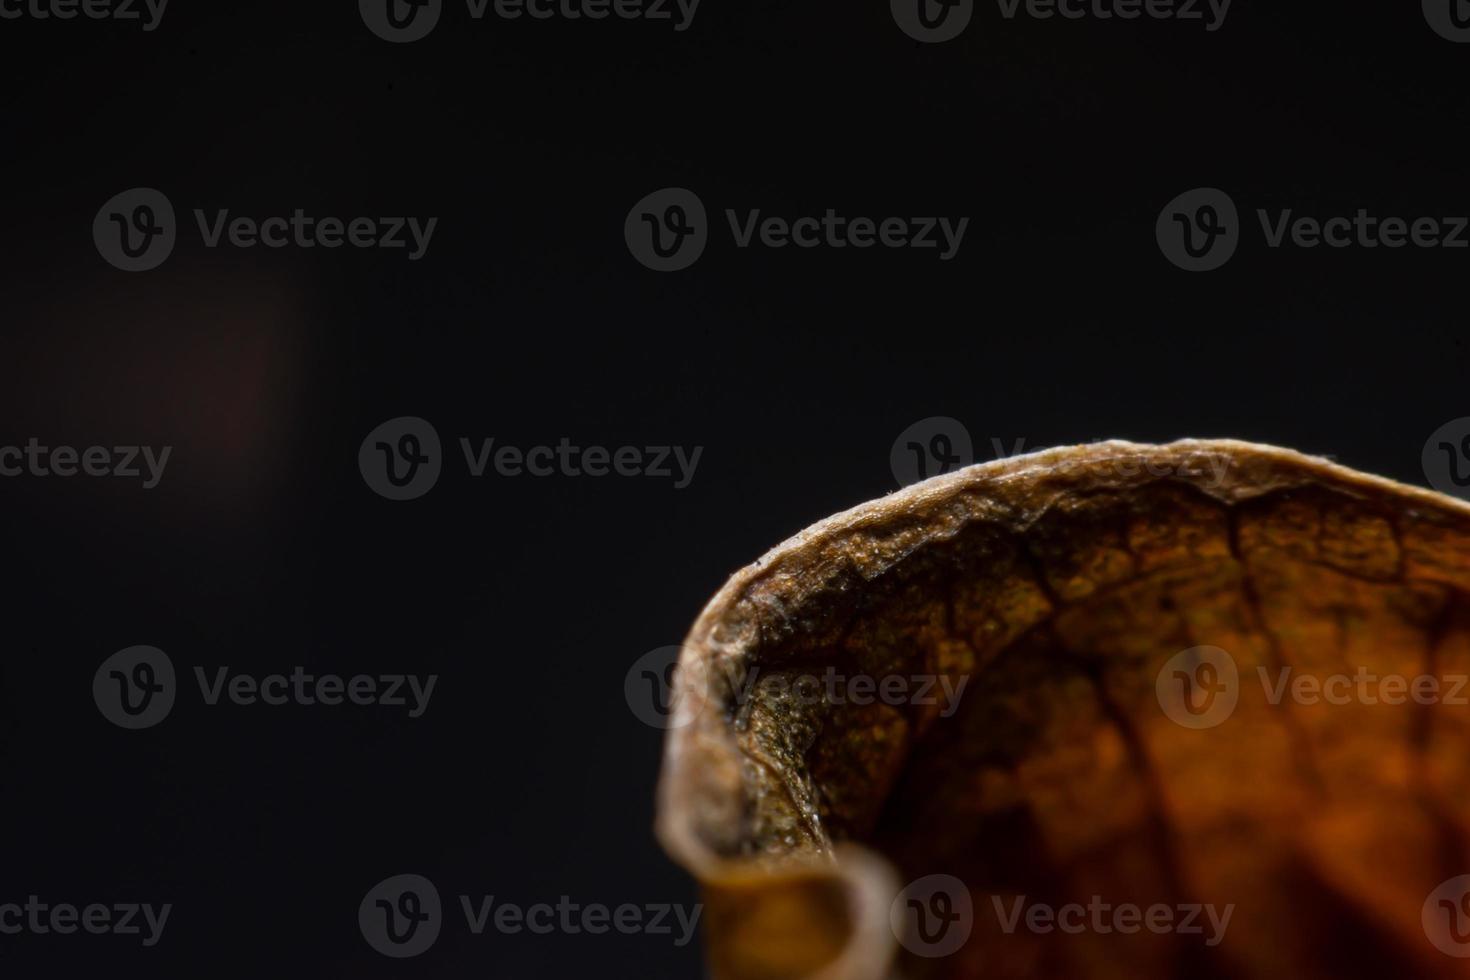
(1129, 637)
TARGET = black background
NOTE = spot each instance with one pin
(529, 778)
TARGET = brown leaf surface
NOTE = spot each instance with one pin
(1063, 588)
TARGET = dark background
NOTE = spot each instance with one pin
(529, 777)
